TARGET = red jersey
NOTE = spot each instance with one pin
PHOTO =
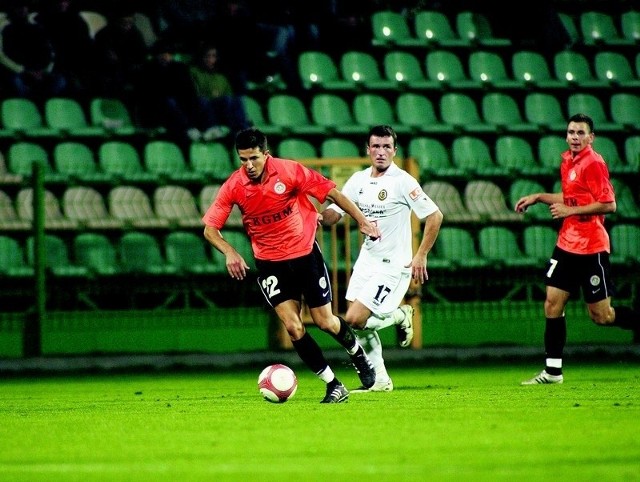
(278, 216)
(585, 180)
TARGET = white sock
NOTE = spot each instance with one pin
(377, 323)
(327, 375)
(370, 341)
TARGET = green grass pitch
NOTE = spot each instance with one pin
(443, 423)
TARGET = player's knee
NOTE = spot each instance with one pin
(601, 317)
(355, 322)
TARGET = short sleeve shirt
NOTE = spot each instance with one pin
(277, 214)
(585, 180)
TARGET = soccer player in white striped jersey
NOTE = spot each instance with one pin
(387, 195)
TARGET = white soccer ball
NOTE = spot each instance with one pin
(277, 383)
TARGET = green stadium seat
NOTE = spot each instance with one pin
(485, 198)
(550, 149)
(362, 70)
(473, 156)
(290, 113)
(625, 244)
(97, 253)
(187, 252)
(334, 113)
(544, 110)
(449, 200)
(21, 157)
(113, 116)
(435, 30)
(592, 105)
(9, 219)
(630, 25)
(122, 160)
(501, 110)
(21, 117)
(78, 161)
(447, 69)
(613, 67)
(539, 241)
(131, 205)
(532, 68)
(255, 115)
(571, 26)
(575, 69)
(338, 147)
(461, 111)
(177, 205)
(501, 246)
(57, 259)
(239, 240)
(599, 28)
(318, 70)
(88, 207)
(523, 187)
(632, 151)
(66, 116)
(297, 149)
(212, 160)
(608, 149)
(489, 69)
(371, 109)
(141, 253)
(457, 245)
(516, 154)
(13, 262)
(476, 28)
(54, 219)
(391, 29)
(625, 110)
(416, 111)
(404, 69)
(628, 207)
(433, 158)
(165, 159)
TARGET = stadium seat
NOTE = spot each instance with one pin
(297, 149)
(609, 151)
(433, 159)
(77, 161)
(485, 198)
(165, 159)
(334, 113)
(239, 240)
(122, 160)
(371, 109)
(404, 69)
(500, 244)
(632, 151)
(628, 207)
(97, 253)
(457, 245)
(550, 149)
(66, 116)
(54, 219)
(88, 207)
(501, 110)
(592, 105)
(613, 67)
(416, 111)
(132, 205)
(362, 70)
(338, 147)
(206, 197)
(571, 26)
(13, 262)
(575, 69)
(489, 69)
(447, 69)
(435, 30)
(141, 253)
(532, 68)
(625, 110)
(188, 253)
(461, 111)
(21, 117)
(516, 154)
(476, 28)
(212, 160)
(544, 110)
(57, 259)
(625, 244)
(290, 113)
(523, 187)
(473, 156)
(391, 29)
(630, 25)
(255, 115)
(318, 70)
(21, 157)
(599, 28)
(177, 205)
(449, 200)
(9, 219)
(539, 241)
(112, 115)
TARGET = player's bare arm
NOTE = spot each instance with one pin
(366, 227)
(560, 210)
(418, 264)
(539, 197)
(236, 265)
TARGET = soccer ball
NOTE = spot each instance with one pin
(277, 383)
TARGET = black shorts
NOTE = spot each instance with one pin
(296, 278)
(571, 272)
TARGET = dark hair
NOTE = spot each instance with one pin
(383, 131)
(582, 118)
(250, 138)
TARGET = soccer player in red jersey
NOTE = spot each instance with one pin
(580, 259)
(281, 222)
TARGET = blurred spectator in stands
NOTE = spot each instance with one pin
(218, 102)
(72, 43)
(120, 52)
(167, 97)
(185, 22)
(27, 56)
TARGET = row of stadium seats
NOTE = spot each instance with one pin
(91, 254)
(477, 69)
(472, 29)
(174, 207)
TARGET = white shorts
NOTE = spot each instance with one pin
(380, 291)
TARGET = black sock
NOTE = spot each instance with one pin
(310, 353)
(626, 318)
(555, 338)
(346, 337)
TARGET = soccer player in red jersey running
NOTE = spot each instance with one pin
(281, 222)
(580, 259)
